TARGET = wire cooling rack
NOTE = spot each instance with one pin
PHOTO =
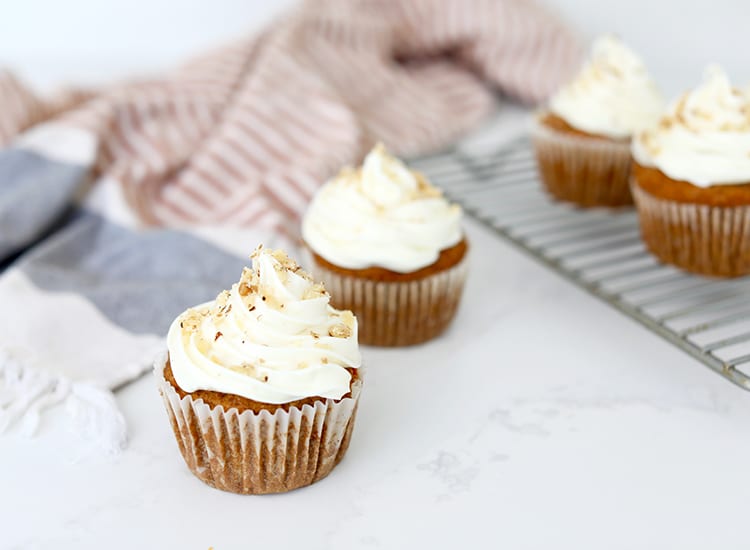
(601, 251)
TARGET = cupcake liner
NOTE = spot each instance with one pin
(257, 453)
(397, 313)
(703, 239)
(584, 171)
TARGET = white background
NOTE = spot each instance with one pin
(50, 41)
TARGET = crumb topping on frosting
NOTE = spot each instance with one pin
(703, 137)
(613, 94)
(273, 337)
(382, 214)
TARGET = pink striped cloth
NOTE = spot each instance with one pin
(244, 135)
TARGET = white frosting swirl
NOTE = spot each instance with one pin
(612, 95)
(272, 338)
(383, 215)
(704, 138)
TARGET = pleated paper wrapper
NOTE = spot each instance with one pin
(585, 171)
(257, 453)
(702, 239)
(397, 313)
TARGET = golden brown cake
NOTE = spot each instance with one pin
(230, 401)
(701, 230)
(390, 248)
(584, 169)
(261, 385)
(582, 140)
(558, 124)
(448, 258)
(418, 305)
(691, 180)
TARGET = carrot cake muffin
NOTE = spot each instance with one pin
(390, 248)
(691, 180)
(582, 140)
(261, 385)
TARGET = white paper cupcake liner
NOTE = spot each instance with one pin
(703, 239)
(397, 313)
(584, 171)
(257, 453)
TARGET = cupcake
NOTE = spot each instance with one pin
(691, 180)
(582, 140)
(390, 248)
(261, 385)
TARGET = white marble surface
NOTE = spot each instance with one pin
(542, 419)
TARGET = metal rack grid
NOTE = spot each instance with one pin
(601, 251)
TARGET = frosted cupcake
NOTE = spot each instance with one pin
(261, 385)
(582, 140)
(691, 180)
(390, 248)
